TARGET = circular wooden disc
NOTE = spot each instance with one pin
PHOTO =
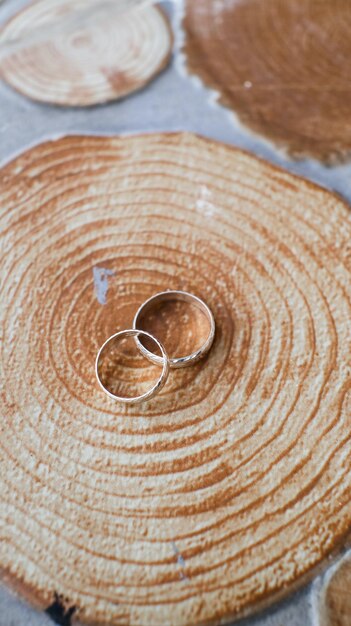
(224, 490)
(107, 57)
(334, 601)
(282, 66)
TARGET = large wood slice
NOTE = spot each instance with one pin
(227, 489)
(281, 65)
(84, 52)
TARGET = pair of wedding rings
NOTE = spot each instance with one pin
(162, 360)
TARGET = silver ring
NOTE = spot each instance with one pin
(184, 296)
(164, 360)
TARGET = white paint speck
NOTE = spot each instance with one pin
(180, 561)
(203, 204)
(101, 283)
(233, 272)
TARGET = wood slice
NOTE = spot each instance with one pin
(228, 488)
(282, 66)
(335, 601)
(80, 52)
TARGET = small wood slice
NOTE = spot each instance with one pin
(281, 65)
(80, 53)
(229, 487)
(335, 598)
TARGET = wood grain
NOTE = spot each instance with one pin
(234, 483)
(81, 52)
(281, 66)
(335, 599)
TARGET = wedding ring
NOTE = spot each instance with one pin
(183, 296)
(162, 360)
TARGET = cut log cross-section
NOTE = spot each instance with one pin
(281, 65)
(334, 598)
(228, 488)
(84, 52)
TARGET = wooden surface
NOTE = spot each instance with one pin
(281, 65)
(84, 52)
(233, 483)
(335, 599)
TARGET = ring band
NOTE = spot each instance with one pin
(164, 360)
(184, 296)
